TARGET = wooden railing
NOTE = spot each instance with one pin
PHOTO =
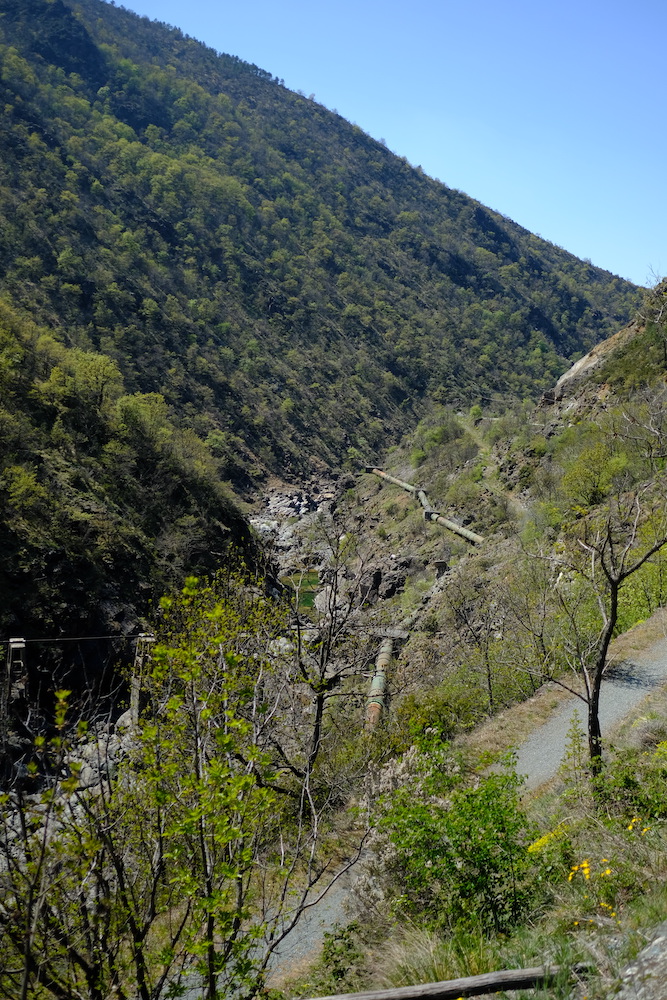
(470, 986)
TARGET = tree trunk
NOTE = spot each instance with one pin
(594, 732)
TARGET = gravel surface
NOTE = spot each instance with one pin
(624, 687)
(302, 946)
(539, 758)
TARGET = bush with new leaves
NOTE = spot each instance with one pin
(457, 842)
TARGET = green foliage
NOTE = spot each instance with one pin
(199, 835)
(201, 764)
(441, 443)
(459, 843)
(644, 593)
(162, 837)
(273, 272)
(592, 476)
(476, 502)
(537, 446)
(642, 359)
(574, 766)
(526, 477)
(341, 967)
(105, 500)
(464, 494)
(633, 784)
(453, 707)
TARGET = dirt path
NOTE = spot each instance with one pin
(641, 655)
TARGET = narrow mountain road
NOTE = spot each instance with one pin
(642, 668)
(625, 686)
(303, 945)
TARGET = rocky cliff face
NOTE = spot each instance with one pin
(582, 369)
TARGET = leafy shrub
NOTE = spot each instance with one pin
(341, 966)
(590, 478)
(451, 708)
(538, 446)
(634, 782)
(459, 843)
(525, 477)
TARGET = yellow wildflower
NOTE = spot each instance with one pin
(541, 842)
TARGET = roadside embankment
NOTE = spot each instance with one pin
(538, 728)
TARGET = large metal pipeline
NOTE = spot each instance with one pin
(429, 513)
(375, 702)
(423, 499)
(391, 479)
(472, 536)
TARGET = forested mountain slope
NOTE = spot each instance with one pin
(207, 277)
(543, 485)
(279, 276)
(104, 501)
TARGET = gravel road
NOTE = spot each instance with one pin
(302, 946)
(624, 687)
(538, 757)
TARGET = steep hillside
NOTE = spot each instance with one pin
(254, 709)
(280, 277)
(104, 501)
(540, 484)
(631, 361)
(206, 277)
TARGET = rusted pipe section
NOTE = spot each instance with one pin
(375, 702)
(391, 479)
(432, 515)
(423, 499)
(429, 513)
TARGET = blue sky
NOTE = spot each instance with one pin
(551, 113)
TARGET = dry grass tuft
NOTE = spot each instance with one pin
(513, 725)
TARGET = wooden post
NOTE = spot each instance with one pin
(5, 687)
(470, 986)
(12, 683)
(144, 642)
